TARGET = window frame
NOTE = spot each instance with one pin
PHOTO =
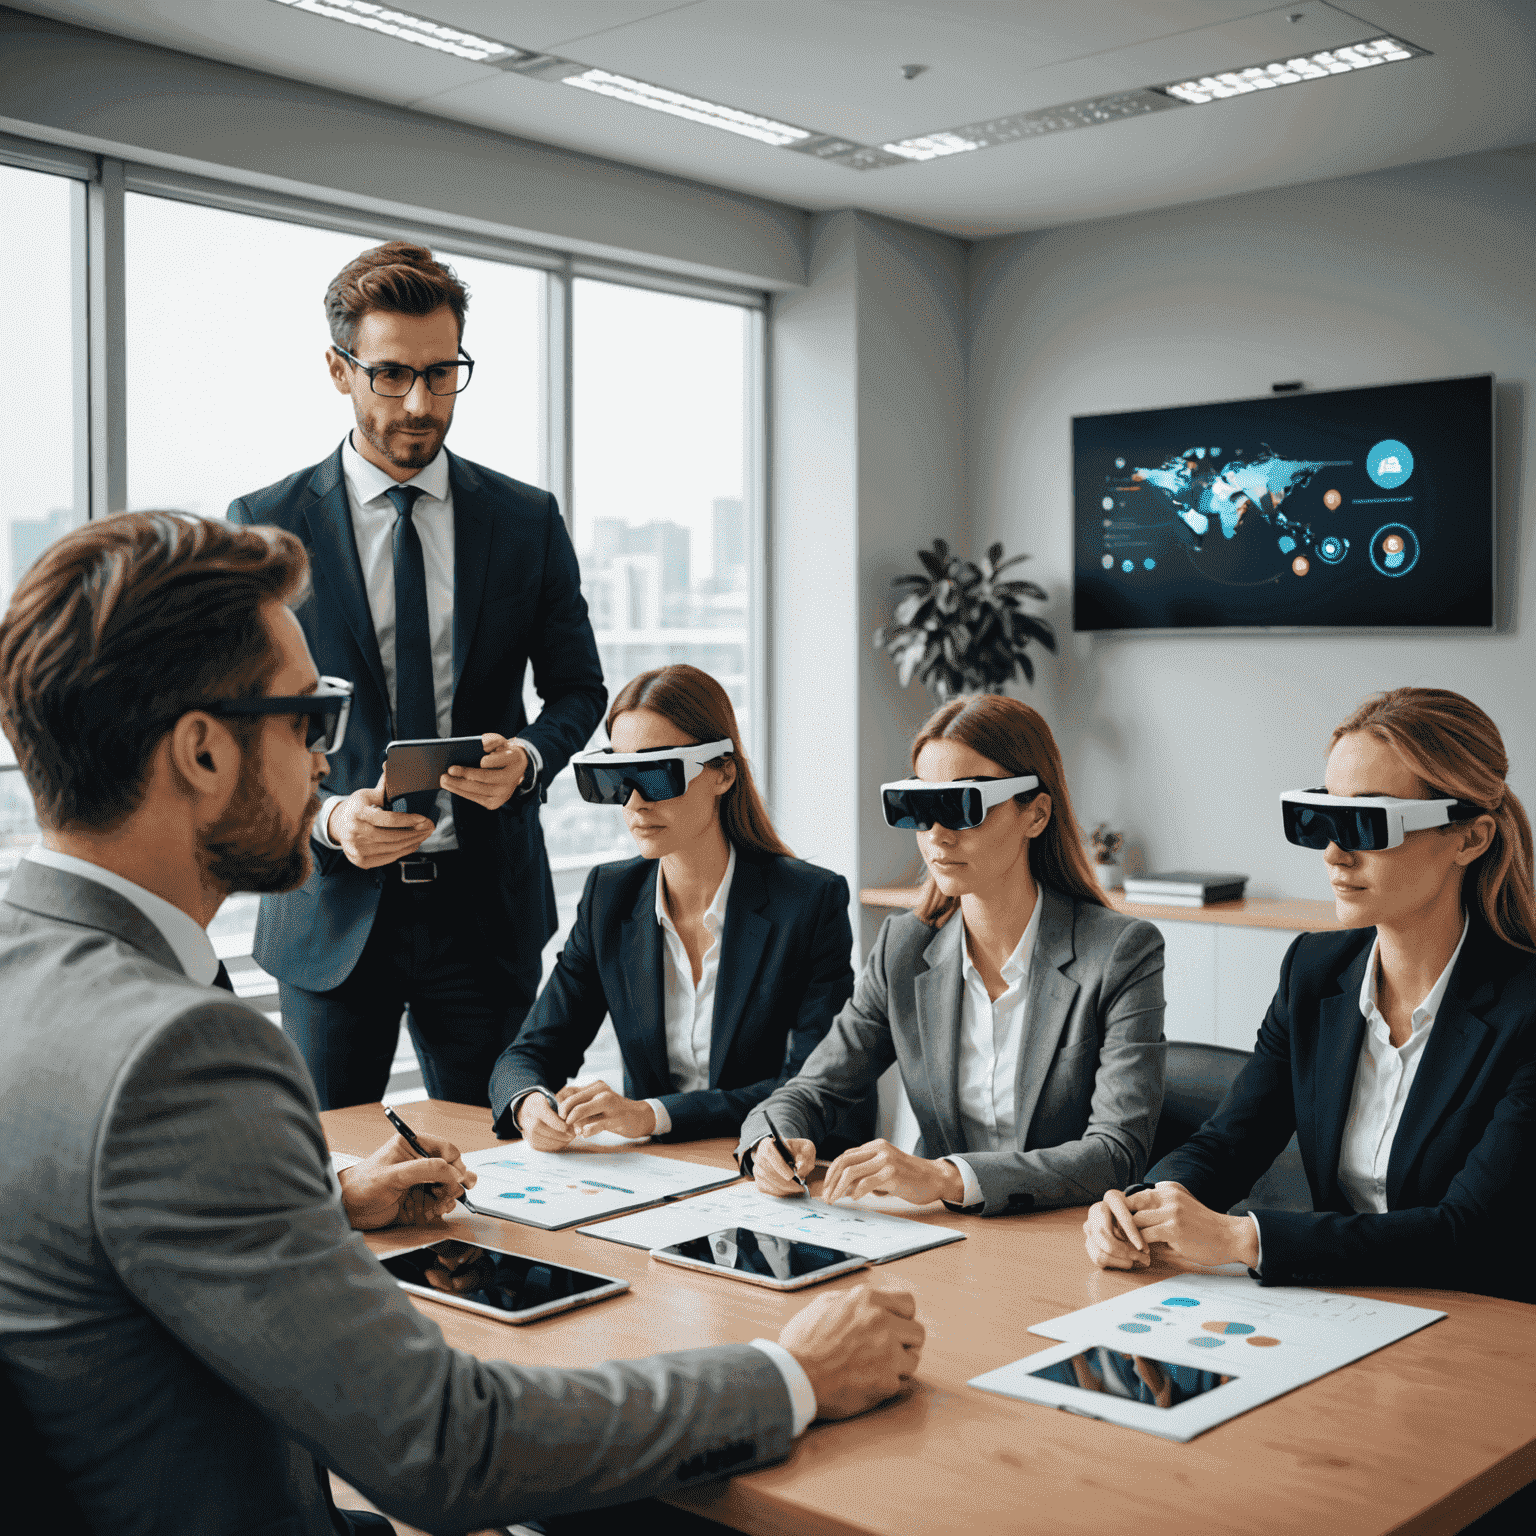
(99, 287)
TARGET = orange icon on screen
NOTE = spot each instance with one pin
(1393, 543)
(1301, 565)
(1331, 500)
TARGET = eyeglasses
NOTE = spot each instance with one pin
(606, 777)
(957, 804)
(394, 380)
(327, 708)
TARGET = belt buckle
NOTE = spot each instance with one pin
(418, 871)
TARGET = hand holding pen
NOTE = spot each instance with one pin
(410, 1179)
(776, 1163)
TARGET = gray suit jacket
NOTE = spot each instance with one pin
(191, 1322)
(1090, 1084)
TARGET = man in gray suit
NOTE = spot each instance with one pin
(188, 1319)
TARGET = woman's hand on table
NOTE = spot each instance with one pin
(1121, 1229)
(771, 1173)
(542, 1125)
(878, 1168)
(396, 1187)
(596, 1107)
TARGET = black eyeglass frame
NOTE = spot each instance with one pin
(373, 369)
(332, 697)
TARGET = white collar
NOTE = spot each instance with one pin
(1425, 1014)
(369, 482)
(1017, 963)
(189, 943)
(714, 915)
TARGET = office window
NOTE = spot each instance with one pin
(662, 510)
(39, 497)
(227, 384)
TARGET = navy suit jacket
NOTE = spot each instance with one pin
(1464, 1154)
(516, 599)
(785, 971)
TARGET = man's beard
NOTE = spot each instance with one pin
(405, 453)
(249, 848)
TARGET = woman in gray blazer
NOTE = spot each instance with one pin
(1025, 1015)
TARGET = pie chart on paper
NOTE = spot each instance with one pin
(1214, 1327)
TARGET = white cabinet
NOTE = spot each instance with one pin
(1218, 980)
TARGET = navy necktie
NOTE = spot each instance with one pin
(415, 701)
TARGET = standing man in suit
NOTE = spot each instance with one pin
(190, 1329)
(436, 583)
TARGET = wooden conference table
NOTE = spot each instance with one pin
(1421, 1437)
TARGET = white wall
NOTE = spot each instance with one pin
(108, 95)
(1185, 740)
(867, 435)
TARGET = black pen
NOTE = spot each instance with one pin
(783, 1151)
(417, 1147)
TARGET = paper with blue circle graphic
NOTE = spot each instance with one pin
(1225, 1344)
(558, 1189)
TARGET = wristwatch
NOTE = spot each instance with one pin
(530, 777)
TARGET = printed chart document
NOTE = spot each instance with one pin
(558, 1189)
(873, 1235)
(1179, 1357)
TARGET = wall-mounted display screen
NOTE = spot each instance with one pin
(1343, 509)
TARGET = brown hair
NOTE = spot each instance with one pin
(1456, 751)
(699, 707)
(1017, 739)
(117, 630)
(399, 278)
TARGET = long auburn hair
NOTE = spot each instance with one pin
(1017, 739)
(698, 706)
(1456, 750)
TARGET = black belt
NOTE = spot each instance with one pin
(426, 869)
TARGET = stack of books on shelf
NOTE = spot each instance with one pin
(1184, 888)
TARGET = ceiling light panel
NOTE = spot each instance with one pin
(1292, 71)
(409, 28)
(712, 114)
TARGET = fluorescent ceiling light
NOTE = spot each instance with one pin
(1092, 112)
(1292, 71)
(711, 113)
(408, 28)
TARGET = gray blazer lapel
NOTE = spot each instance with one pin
(1050, 999)
(936, 995)
(333, 548)
(69, 898)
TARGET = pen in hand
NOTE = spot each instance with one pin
(416, 1146)
(784, 1152)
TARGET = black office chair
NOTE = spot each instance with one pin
(1198, 1077)
(59, 1514)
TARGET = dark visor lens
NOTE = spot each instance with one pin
(613, 786)
(323, 729)
(1362, 830)
(919, 809)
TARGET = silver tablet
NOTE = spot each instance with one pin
(511, 1287)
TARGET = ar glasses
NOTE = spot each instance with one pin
(1363, 823)
(327, 708)
(958, 804)
(606, 777)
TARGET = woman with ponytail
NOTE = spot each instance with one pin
(1025, 1016)
(1401, 1052)
(720, 957)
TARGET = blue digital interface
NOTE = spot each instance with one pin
(1346, 509)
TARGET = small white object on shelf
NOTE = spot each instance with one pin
(1110, 875)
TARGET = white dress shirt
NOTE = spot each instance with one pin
(189, 942)
(1384, 1075)
(991, 1038)
(690, 1009)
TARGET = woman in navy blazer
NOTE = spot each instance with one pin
(1402, 1052)
(714, 913)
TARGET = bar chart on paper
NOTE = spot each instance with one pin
(558, 1189)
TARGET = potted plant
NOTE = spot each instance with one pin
(962, 629)
(1106, 855)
